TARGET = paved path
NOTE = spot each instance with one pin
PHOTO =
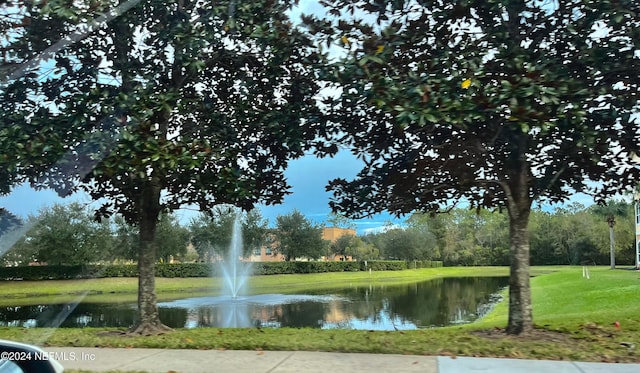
(210, 361)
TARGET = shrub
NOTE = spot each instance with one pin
(202, 269)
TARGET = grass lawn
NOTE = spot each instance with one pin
(575, 319)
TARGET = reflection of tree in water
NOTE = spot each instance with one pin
(435, 302)
(75, 316)
(303, 314)
(446, 301)
(225, 315)
(17, 315)
(269, 315)
(208, 316)
(172, 317)
(356, 302)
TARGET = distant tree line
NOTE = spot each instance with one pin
(70, 235)
(574, 234)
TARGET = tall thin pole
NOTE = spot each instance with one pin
(612, 221)
(636, 223)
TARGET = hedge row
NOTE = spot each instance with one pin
(202, 269)
(424, 264)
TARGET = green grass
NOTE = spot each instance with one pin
(580, 311)
(605, 293)
(564, 297)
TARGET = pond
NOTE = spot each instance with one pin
(427, 304)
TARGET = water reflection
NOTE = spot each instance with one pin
(426, 304)
(84, 315)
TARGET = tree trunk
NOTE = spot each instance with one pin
(520, 316)
(519, 206)
(149, 322)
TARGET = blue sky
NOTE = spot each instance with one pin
(308, 177)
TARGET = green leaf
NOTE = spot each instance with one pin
(376, 59)
(430, 117)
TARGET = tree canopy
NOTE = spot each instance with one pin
(495, 103)
(11, 230)
(201, 101)
(167, 104)
(297, 237)
(66, 235)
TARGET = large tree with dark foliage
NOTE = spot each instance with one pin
(10, 231)
(66, 235)
(498, 103)
(172, 239)
(178, 103)
(297, 237)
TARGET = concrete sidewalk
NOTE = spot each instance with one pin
(208, 361)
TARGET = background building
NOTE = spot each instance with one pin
(267, 253)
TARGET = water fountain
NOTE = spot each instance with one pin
(235, 272)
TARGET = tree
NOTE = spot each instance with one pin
(438, 228)
(67, 235)
(375, 240)
(360, 250)
(341, 245)
(24, 143)
(297, 237)
(211, 233)
(10, 231)
(609, 211)
(202, 236)
(543, 228)
(172, 238)
(569, 235)
(635, 195)
(406, 244)
(492, 234)
(254, 231)
(8, 221)
(127, 240)
(497, 103)
(178, 103)
(32, 140)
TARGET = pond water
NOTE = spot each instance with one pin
(427, 304)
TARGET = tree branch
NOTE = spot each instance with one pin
(552, 181)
